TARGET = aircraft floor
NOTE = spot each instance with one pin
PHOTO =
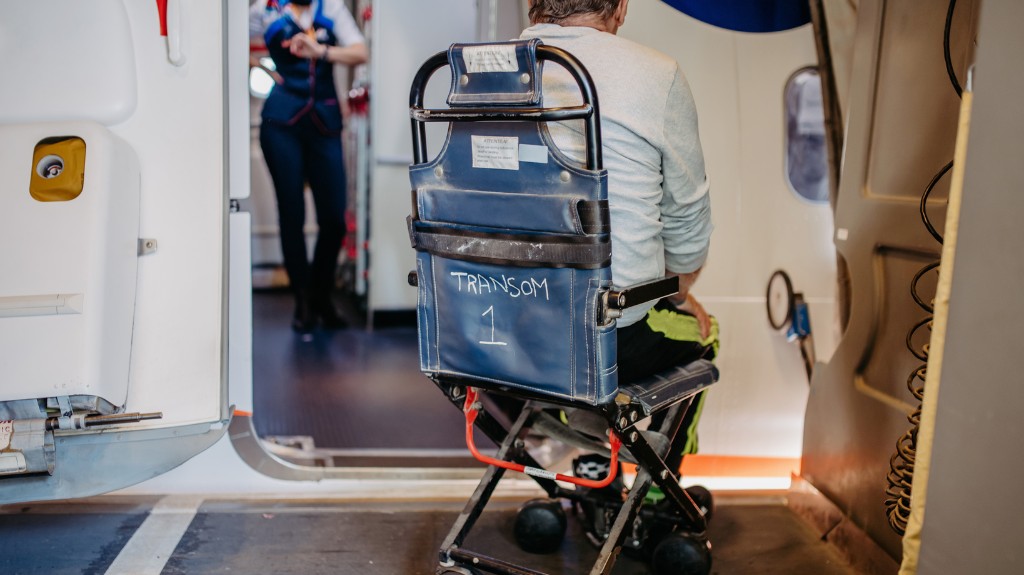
(758, 536)
(345, 388)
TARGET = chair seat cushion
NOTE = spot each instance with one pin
(657, 391)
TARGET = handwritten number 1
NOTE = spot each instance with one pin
(490, 311)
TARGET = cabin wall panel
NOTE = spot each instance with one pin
(738, 81)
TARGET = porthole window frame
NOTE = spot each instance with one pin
(822, 194)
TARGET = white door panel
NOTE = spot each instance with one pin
(155, 126)
(178, 131)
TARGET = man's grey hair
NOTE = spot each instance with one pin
(554, 11)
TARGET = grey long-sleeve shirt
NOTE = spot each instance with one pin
(657, 188)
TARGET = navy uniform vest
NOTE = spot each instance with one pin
(308, 87)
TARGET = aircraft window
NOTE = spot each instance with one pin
(806, 153)
(260, 81)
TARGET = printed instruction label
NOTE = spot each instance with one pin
(490, 58)
(496, 152)
(6, 432)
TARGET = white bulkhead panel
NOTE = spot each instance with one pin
(400, 45)
(738, 81)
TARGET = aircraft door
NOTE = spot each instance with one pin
(115, 179)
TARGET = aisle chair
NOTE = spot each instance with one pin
(516, 298)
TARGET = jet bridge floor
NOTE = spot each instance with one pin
(752, 535)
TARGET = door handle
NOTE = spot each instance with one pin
(170, 27)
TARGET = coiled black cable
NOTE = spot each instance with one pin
(901, 464)
(924, 202)
(945, 50)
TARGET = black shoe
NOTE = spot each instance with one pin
(327, 311)
(304, 320)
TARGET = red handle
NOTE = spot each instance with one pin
(161, 8)
(472, 410)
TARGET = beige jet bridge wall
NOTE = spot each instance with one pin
(972, 515)
(901, 127)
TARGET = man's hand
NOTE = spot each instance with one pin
(689, 304)
(684, 301)
(694, 308)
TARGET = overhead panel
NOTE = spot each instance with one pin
(82, 71)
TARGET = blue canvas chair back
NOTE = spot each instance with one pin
(512, 237)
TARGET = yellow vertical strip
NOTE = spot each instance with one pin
(926, 434)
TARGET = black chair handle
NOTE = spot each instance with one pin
(587, 112)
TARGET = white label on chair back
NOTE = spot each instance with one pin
(542, 473)
(496, 152)
(533, 153)
(490, 58)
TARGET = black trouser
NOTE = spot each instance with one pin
(643, 351)
(663, 339)
(296, 154)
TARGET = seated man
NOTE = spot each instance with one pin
(657, 195)
(657, 188)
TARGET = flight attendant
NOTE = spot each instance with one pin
(301, 139)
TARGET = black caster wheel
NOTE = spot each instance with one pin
(682, 554)
(704, 500)
(540, 526)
